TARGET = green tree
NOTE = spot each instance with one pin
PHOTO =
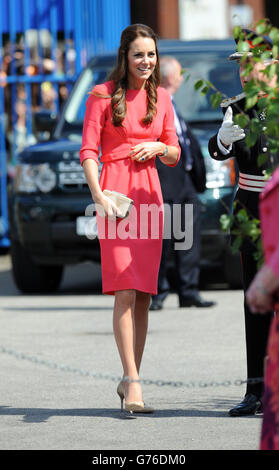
(266, 96)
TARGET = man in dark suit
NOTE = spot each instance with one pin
(230, 142)
(180, 186)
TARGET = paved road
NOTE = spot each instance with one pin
(48, 343)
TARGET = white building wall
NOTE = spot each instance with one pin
(203, 19)
(211, 19)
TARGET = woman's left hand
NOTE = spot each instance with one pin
(146, 150)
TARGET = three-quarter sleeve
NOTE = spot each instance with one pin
(169, 135)
(94, 121)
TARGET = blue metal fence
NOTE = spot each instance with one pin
(44, 44)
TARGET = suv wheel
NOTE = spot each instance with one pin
(32, 278)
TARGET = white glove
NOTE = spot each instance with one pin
(230, 132)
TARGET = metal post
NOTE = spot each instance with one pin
(92, 27)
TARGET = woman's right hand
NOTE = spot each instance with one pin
(104, 206)
(107, 208)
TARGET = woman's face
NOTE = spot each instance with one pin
(142, 60)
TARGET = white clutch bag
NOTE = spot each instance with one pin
(122, 202)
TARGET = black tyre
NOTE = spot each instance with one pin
(31, 278)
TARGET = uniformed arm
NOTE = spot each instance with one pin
(221, 145)
(216, 152)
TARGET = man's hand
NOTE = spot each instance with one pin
(229, 132)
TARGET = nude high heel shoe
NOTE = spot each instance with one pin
(134, 406)
(121, 392)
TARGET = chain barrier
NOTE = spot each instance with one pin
(100, 376)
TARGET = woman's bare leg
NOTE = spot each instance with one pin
(124, 332)
(141, 324)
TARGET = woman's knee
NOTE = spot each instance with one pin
(143, 297)
(126, 297)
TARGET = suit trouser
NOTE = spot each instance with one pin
(187, 261)
(256, 330)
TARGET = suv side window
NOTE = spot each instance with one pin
(223, 74)
(76, 107)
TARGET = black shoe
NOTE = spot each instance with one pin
(196, 301)
(156, 305)
(249, 406)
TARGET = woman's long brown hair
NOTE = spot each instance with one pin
(120, 76)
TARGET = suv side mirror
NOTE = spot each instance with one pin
(44, 123)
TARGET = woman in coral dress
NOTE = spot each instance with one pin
(130, 117)
(263, 296)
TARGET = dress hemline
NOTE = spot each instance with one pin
(128, 286)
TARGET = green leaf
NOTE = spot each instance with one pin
(236, 244)
(216, 99)
(261, 28)
(273, 145)
(275, 51)
(251, 90)
(259, 253)
(262, 103)
(241, 120)
(271, 70)
(226, 221)
(209, 84)
(268, 173)
(262, 158)
(237, 32)
(257, 40)
(205, 90)
(242, 215)
(256, 126)
(265, 55)
(251, 139)
(274, 34)
(198, 84)
(250, 101)
(248, 67)
(243, 46)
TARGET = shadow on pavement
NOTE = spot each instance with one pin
(39, 415)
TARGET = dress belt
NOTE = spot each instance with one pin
(251, 182)
(111, 157)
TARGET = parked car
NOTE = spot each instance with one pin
(49, 194)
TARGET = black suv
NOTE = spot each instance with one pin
(49, 200)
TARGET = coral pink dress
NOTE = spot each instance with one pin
(130, 247)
